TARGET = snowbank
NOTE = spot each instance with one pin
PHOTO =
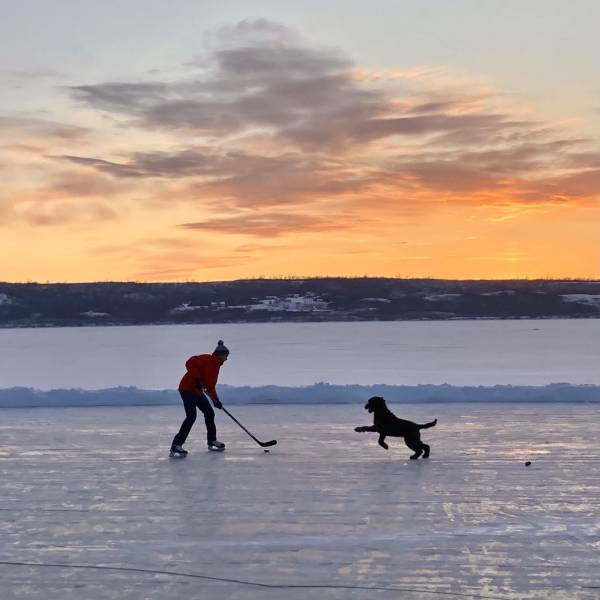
(320, 393)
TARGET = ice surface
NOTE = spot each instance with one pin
(326, 511)
(460, 353)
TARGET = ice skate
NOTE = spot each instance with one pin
(216, 446)
(177, 451)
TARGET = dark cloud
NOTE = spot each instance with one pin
(188, 162)
(517, 158)
(524, 172)
(364, 131)
(260, 77)
(284, 87)
(282, 123)
(266, 64)
(244, 179)
(453, 177)
(435, 106)
(573, 186)
(123, 97)
(112, 168)
(264, 76)
(252, 181)
(582, 160)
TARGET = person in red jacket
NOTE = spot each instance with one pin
(198, 382)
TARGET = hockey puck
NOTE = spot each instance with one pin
(527, 463)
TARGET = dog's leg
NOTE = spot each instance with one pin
(416, 445)
(381, 441)
(426, 448)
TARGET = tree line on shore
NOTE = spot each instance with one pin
(310, 299)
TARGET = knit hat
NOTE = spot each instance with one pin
(221, 349)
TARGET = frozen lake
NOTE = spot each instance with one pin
(517, 352)
(91, 508)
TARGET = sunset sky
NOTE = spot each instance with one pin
(175, 140)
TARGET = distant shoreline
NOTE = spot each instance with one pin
(315, 300)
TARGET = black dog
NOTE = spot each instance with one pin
(385, 423)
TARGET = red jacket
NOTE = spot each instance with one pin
(205, 368)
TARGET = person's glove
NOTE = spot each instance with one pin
(217, 403)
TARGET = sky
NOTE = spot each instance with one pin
(189, 140)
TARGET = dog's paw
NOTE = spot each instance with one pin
(359, 429)
(384, 445)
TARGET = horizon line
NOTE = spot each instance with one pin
(303, 278)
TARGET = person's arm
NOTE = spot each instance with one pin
(210, 382)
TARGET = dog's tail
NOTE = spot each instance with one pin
(428, 425)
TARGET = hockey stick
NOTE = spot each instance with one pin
(263, 444)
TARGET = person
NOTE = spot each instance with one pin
(199, 381)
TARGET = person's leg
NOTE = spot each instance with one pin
(203, 403)
(189, 404)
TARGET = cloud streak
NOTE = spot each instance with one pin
(33, 127)
(265, 225)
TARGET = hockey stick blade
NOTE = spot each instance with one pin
(262, 444)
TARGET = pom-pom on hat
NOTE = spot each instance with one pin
(221, 349)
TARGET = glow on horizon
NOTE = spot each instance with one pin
(265, 154)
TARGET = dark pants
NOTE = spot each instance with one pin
(190, 402)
